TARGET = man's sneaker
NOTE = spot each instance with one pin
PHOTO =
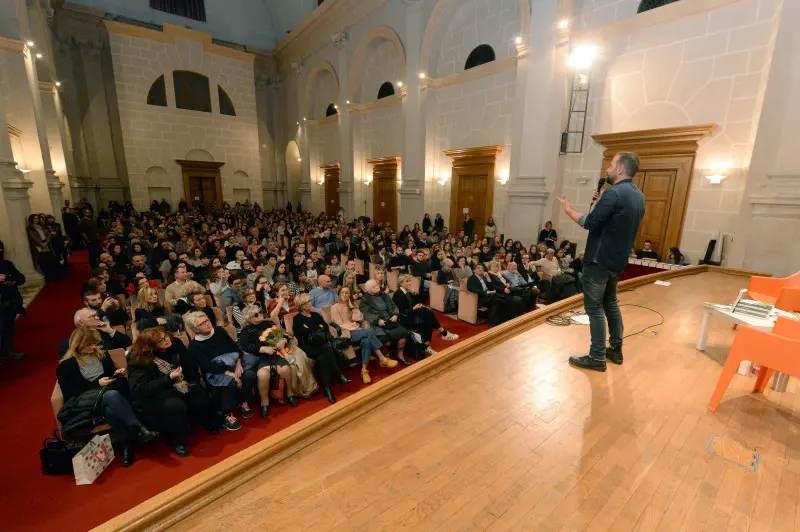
(231, 423)
(449, 336)
(587, 362)
(247, 412)
(614, 355)
(429, 351)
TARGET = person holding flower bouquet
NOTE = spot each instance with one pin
(262, 338)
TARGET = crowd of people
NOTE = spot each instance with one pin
(216, 311)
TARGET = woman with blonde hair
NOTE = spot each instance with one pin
(350, 281)
(165, 388)
(148, 305)
(345, 314)
(94, 390)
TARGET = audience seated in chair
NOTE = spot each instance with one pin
(110, 338)
(416, 316)
(383, 316)
(166, 391)
(94, 388)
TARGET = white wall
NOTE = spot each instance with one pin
(157, 136)
(707, 69)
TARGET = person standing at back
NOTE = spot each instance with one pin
(612, 225)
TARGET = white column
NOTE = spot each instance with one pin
(769, 217)
(303, 139)
(535, 141)
(278, 193)
(347, 184)
(16, 199)
(65, 140)
(412, 191)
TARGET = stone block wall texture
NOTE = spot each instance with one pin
(710, 68)
(381, 64)
(323, 149)
(154, 137)
(468, 115)
(475, 22)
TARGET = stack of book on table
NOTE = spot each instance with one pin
(756, 309)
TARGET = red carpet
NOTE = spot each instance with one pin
(33, 501)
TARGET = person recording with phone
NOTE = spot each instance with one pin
(612, 222)
(110, 338)
(107, 308)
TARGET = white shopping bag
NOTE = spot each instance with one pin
(92, 460)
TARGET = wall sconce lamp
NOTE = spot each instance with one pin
(563, 24)
(24, 170)
(518, 40)
(502, 177)
(299, 159)
(368, 180)
(716, 179)
(39, 56)
(422, 75)
(399, 83)
(30, 44)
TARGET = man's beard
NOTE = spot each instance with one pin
(611, 178)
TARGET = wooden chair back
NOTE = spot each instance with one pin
(288, 319)
(391, 280)
(326, 314)
(437, 293)
(467, 304)
(372, 268)
(359, 266)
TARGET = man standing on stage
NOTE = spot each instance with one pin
(613, 225)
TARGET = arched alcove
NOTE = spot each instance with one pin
(199, 155)
(241, 175)
(480, 56)
(386, 90)
(293, 171)
(155, 172)
(322, 88)
(378, 58)
(157, 95)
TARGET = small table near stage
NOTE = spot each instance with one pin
(724, 312)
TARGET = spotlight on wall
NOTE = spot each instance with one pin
(58, 83)
(39, 56)
(518, 40)
(30, 44)
(348, 102)
(298, 123)
(422, 75)
(716, 178)
(304, 119)
(502, 176)
(399, 83)
(583, 56)
(563, 24)
(299, 159)
(24, 170)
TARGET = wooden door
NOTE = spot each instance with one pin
(332, 181)
(472, 186)
(471, 195)
(202, 184)
(384, 190)
(657, 187)
(203, 193)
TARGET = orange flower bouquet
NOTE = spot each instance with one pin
(272, 337)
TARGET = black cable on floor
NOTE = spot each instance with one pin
(565, 319)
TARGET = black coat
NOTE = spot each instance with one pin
(405, 302)
(10, 298)
(474, 285)
(149, 386)
(73, 383)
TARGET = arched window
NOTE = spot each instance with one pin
(386, 90)
(480, 56)
(191, 91)
(647, 5)
(332, 110)
(225, 103)
(158, 93)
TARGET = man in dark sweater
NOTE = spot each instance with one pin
(224, 366)
(107, 308)
(110, 337)
(10, 305)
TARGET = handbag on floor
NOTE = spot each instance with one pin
(92, 460)
(56, 456)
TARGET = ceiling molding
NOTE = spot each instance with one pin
(170, 32)
(314, 31)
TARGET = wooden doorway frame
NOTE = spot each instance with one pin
(200, 169)
(331, 170)
(670, 149)
(466, 161)
(388, 166)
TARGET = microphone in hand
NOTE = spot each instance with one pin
(600, 184)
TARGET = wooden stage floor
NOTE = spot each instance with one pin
(515, 439)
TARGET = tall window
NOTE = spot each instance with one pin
(386, 90)
(158, 93)
(331, 110)
(194, 9)
(225, 103)
(191, 91)
(647, 5)
(480, 56)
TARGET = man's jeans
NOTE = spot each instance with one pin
(600, 302)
